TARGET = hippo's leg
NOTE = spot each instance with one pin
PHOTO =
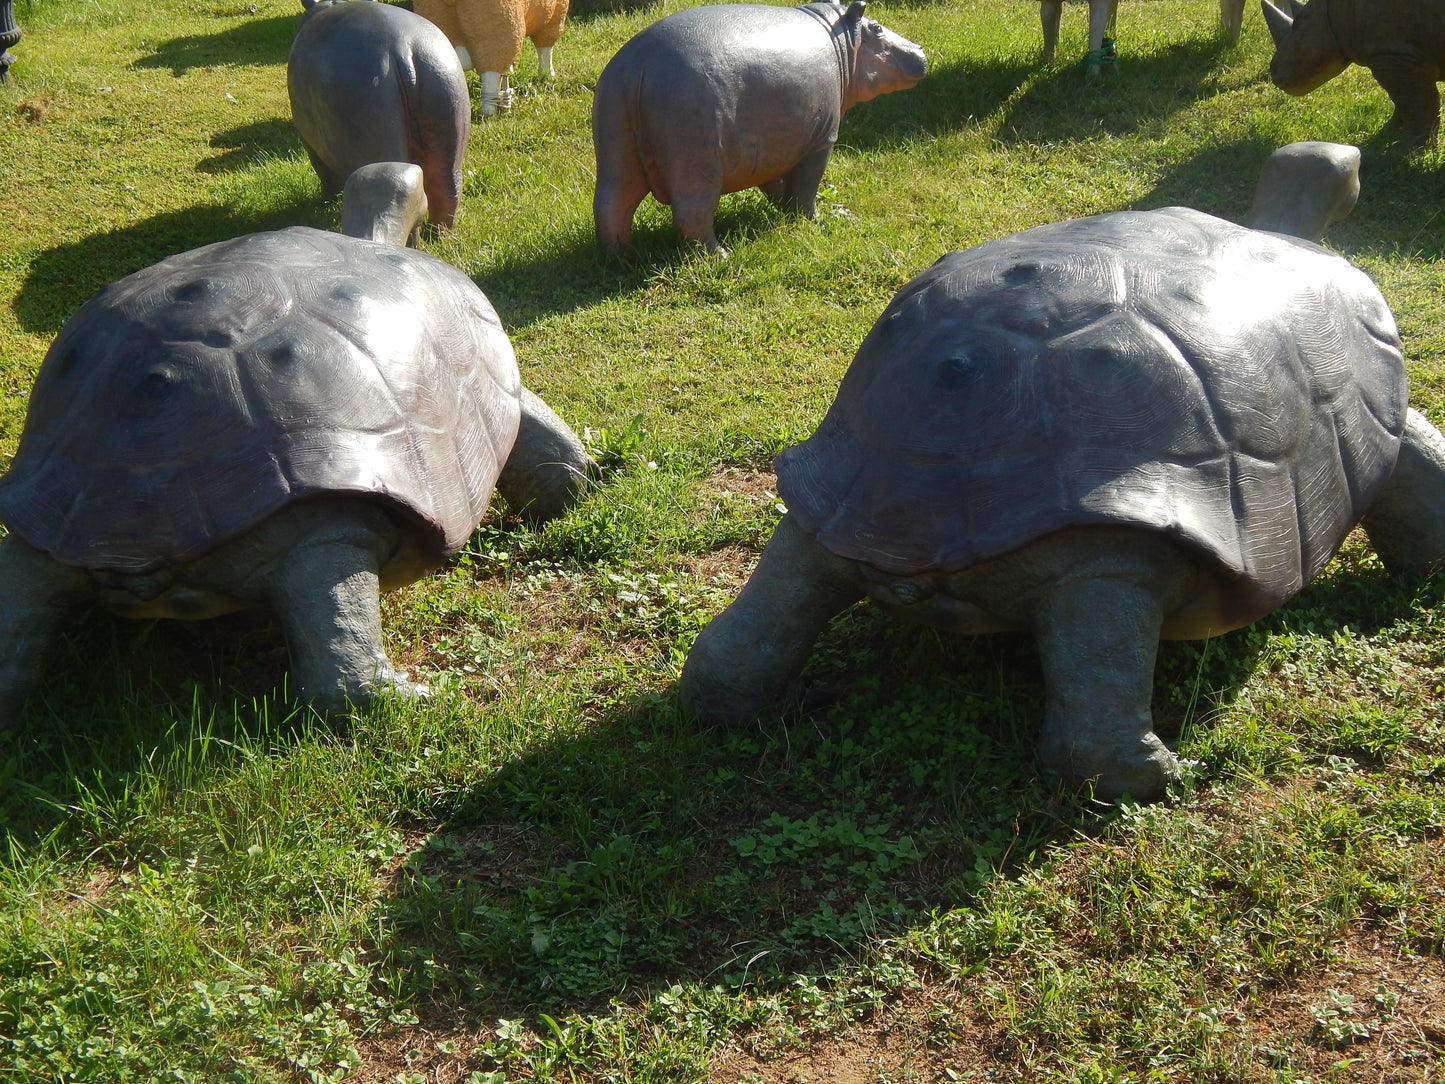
(37, 593)
(548, 469)
(621, 181)
(1406, 522)
(1050, 12)
(747, 659)
(798, 193)
(1098, 638)
(693, 212)
(1412, 89)
(322, 580)
(331, 181)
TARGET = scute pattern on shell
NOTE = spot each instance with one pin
(1241, 391)
(186, 402)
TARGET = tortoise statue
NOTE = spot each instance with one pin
(294, 419)
(1105, 431)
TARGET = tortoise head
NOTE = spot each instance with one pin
(384, 201)
(1303, 187)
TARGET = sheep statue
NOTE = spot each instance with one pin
(488, 37)
(1101, 28)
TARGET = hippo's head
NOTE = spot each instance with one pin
(1306, 52)
(883, 61)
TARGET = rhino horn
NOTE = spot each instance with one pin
(1278, 22)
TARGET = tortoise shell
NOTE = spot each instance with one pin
(1238, 390)
(185, 403)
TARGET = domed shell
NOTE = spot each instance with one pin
(183, 404)
(1238, 390)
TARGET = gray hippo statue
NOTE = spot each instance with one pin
(724, 97)
(1104, 431)
(372, 82)
(295, 419)
(1401, 42)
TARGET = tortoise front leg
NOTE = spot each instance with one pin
(325, 590)
(547, 469)
(37, 593)
(1411, 87)
(1406, 522)
(747, 660)
(1098, 637)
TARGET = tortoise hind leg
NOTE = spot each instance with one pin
(747, 659)
(547, 469)
(1406, 522)
(37, 593)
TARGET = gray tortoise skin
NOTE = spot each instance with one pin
(295, 419)
(372, 82)
(1104, 431)
(723, 97)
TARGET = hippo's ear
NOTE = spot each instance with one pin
(855, 10)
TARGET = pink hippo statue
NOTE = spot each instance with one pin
(725, 97)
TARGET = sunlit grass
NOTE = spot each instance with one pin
(546, 871)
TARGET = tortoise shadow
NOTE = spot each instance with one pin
(645, 850)
(1221, 180)
(60, 279)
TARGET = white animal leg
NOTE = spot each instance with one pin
(544, 62)
(491, 98)
(464, 57)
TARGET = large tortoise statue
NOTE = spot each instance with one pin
(1104, 431)
(294, 419)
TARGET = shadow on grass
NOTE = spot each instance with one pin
(1036, 104)
(260, 41)
(1221, 181)
(62, 278)
(576, 273)
(117, 692)
(1065, 105)
(646, 851)
(242, 146)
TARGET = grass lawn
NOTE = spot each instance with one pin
(548, 872)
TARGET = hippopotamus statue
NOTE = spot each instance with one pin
(724, 97)
(1402, 42)
(370, 82)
